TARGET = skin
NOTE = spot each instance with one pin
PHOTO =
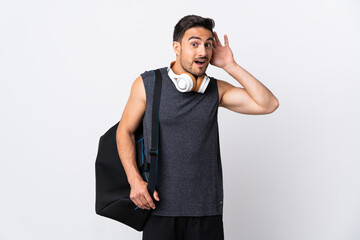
(197, 43)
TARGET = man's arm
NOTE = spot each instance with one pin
(125, 137)
(254, 98)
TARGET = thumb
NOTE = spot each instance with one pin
(156, 196)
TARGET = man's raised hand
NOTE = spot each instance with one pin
(222, 55)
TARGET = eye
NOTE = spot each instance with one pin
(208, 44)
(194, 44)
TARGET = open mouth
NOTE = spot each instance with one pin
(200, 63)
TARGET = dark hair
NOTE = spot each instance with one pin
(191, 21)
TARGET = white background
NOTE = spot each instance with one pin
(66, 68)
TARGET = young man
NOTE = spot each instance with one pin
(189, 196)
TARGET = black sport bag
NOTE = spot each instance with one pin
(112, 187)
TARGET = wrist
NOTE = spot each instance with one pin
(135, 180)
(230, 66)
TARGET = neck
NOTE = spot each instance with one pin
(177, 69)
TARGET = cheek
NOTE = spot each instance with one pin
(209, 52)
(188, 52)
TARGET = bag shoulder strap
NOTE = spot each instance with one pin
(155, 132)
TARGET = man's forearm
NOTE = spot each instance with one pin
(256, 90)
(127, 154)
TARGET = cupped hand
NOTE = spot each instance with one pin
(222, 55)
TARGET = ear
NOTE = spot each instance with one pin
(176, 47)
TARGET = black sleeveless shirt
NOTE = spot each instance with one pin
(189, 179)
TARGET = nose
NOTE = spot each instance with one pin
(202, 50)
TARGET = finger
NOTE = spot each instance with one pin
(146, 203)
(226, 39)
(149, 201)
(136, 202)
(156, 196)
(143, 202)
(217, 40)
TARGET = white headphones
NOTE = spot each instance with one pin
(186, 82)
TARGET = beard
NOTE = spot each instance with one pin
(188, 67)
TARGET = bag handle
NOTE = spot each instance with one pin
(155, 133)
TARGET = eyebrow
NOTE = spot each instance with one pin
(210, 38)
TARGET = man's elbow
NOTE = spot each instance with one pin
(273, 107)
(123, 131)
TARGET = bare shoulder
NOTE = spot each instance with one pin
(138, 90)
(135, 107)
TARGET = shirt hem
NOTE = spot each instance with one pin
(186, 214)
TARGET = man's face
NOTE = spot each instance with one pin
(196, 50)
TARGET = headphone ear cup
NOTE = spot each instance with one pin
(199, 81)
(185, 82)
(191, 79)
